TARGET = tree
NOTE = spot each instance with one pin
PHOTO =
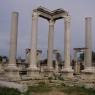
(82, 56)
(93, 56)
(0, 58)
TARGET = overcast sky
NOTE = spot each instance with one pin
(78, 9)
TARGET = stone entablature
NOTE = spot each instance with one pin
(48, 14)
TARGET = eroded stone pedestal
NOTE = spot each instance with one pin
(50, 72)
(12, 72)
(88, 74)
(67, 73)
(33, 73)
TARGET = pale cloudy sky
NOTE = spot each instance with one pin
(78, 9)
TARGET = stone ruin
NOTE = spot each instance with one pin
(34, 72)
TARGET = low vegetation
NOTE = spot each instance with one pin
(8, 91)
(45, 89)
(75, 90)
(39, 88)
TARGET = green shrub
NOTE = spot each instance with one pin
(9, 91)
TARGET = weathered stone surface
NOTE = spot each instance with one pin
(20, 87)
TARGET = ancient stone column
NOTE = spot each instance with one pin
(34, 41)
(27, 56)
(12, 70)
(88, 69)
(50, 44)
(76, 63)
(58, 60)
(67, 41)
(33, 53)
(88, 41)
(68, 72)
(39, 52)
(13, 40)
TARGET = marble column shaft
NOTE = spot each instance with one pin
(33, 54)
(38, 58)
(50, 43)
(76, 62)
(88, 41)
(67, 41)
(13, 40)
(89, 70)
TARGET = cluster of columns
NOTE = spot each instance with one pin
(33, 71)
(33, 56)
(89, 70)
(12, 69)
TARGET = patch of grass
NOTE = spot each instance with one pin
(77, 90)
(44, 88)
(40, 88)
(9, 91)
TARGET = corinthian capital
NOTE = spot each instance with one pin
(67, 18)
(51, 22)
(34, 15)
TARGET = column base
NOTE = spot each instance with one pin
(67, 73)
(56, 69)
(12, 72)
(77, 70)
(50, 72)
(33, 73)
(50, 69)
(88, 73)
